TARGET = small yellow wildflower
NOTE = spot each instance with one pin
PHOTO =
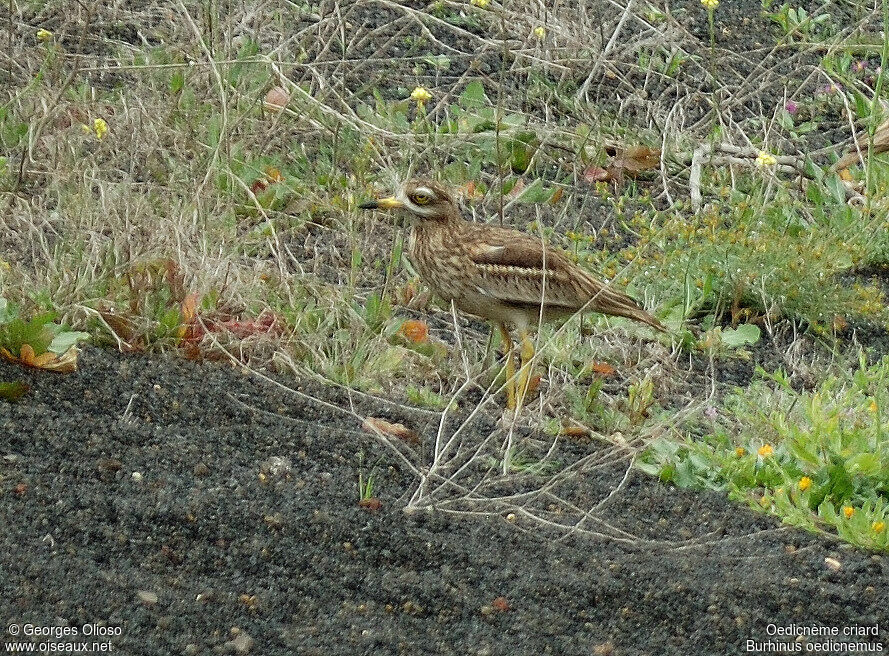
(710, 5)
(43, 35)
(420, 95)
(805, 483)
(848, 511)
(101, 128)
(873, 406)
(765, 159)
(878, 527)
(481, 4)
(740, 452)
(766, 450)
(540, 32)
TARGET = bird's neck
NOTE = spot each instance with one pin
(442, 223)
(439, 231)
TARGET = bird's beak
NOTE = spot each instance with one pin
(390, 203)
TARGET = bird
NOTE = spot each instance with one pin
(499, 274)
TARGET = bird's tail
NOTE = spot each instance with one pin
(610, 301)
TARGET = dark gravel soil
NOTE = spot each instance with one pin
(142, 493)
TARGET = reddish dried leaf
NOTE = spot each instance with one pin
(415, 331)
(259, 185)
(267, 322)
(596, 174)
(602, 368)
(189, 328)
(372, 504)
(500, 604)
(399, 431)
(636, 159)
(192, 352)
(533, 386)
(570, 429)
(65, 363)
(122, 326)
(557, 196)
(276, 99)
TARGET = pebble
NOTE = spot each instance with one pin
(240, 644)
(147, 597)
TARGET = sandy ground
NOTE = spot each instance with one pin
(204, 555)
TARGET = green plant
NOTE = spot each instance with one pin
(748, 258)
(819, 459)
(38, 341)
(365, 485)
(523, 462)
(797, 22)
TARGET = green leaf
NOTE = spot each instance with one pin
(862, 104)
(13, 391)
(535, 193)
(7, 312)
(38, 333)
(441, 62)
(474, 97)
(743, 335)
(177, 81)
(66, 339)
(864, 464)
(839, 484)
(837, 190)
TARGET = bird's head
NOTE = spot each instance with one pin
(423, 200)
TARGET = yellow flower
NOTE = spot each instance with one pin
(420, 95)
(878, 527)
(765, 450)
(740, 452)
(481, 4)
(873, 406)
(848, 511)
(710, 5)
(540, 32)
(101, 128)
(43, 35)
(765, 159)
(805, 483)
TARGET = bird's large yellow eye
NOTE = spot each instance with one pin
(420, 199)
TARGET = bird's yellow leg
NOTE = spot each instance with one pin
(510, 366)
(527, 354)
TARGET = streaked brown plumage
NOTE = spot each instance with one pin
(499, 274)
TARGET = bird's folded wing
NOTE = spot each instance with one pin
(518, 269)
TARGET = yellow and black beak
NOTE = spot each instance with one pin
(390, 203)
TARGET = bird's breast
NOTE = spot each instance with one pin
(440, 261)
